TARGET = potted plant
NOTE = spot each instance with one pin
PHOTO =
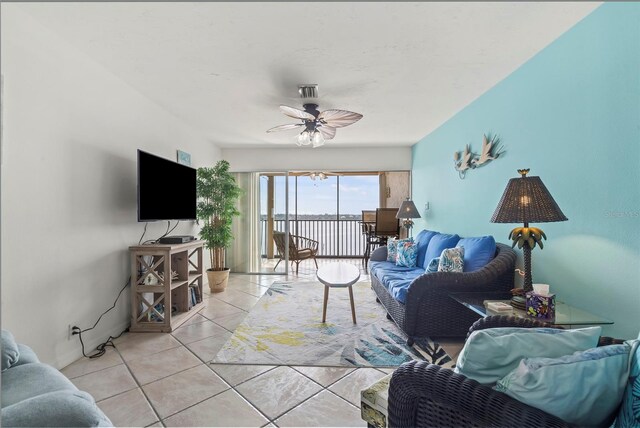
(217, 196)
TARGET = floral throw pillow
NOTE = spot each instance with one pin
(392, 248)
(407, 254)
(433, 265)
(451, 260)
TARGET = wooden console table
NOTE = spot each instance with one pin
(166, 285)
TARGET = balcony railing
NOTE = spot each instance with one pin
(336, 238)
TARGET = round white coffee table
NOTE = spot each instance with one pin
(338, 275)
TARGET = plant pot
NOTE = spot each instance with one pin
(218, 279)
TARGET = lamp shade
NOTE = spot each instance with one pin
(527, 200)
(408, 210)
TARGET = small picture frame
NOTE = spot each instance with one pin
(184, 158)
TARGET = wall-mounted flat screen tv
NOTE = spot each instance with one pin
(166, 189)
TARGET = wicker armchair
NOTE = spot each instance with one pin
(300, 248)
(430, 311)
(426, 395)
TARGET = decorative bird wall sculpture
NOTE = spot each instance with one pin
(491, 150)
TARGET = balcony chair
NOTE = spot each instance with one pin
(368, 231)
(300, 248)
(387, 225)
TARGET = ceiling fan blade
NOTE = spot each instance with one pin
(296, 113)
(285, 127)
(327, 132)
(339, 118)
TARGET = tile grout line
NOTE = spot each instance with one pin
(314, 395)
(155, 412)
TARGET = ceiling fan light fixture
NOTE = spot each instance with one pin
(317, 139)
(304, 138)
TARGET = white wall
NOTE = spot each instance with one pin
(71, 130)
(323, 158)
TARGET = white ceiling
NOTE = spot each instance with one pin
(225, 67)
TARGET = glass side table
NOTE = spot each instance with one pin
(566, 315)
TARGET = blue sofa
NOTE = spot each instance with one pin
(37, 395)
(420, 302)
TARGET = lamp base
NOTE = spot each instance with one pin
(518, 302)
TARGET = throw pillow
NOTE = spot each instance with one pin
(422, 240)
(439, 242)
(451, 260)
(582, 389)
(10, 352)
(629, 414)
(489, 355)
(477, 252)
(433, 265)
(407, 254)
(392, 248)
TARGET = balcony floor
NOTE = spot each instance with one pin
(308, 267)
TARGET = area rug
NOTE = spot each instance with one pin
(285, 328)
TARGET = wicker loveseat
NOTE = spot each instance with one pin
(429, 310)
(427, 395)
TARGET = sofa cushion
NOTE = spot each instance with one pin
(477, 252)
(439, 242)
(385, 276)
(422, 240)
(629, 414)
(10, 351)
(67, 408)
(407, 254)
(489, 355)
(381, 268)
(451, 260)
(583, 388)
(27, 355)
(28, 380)
(398, 288)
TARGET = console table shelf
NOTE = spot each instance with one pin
(166, 285)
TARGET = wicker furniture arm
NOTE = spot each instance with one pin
(426, 395)
(305, 243)
(379, 254)
(300, 248)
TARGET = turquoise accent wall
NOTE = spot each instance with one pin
(572, 115)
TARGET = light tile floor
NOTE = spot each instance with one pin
(157, 379)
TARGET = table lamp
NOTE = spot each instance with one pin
(526, 200)
(406, 212)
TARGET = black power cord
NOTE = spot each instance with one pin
(101, 348)
(154, 241)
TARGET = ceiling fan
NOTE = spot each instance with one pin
(318, 175)
(317, 126)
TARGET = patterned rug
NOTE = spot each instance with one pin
(284, 328)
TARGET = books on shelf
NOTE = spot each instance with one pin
(194, 296)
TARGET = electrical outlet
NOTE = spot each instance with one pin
(73, 331)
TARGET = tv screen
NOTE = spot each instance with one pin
(166, 189)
